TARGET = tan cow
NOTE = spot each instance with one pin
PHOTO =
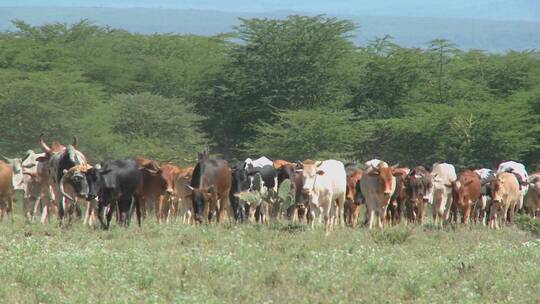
(378, 185)
(185, 206)
(6, 190)
(532, 198)
(505, 195)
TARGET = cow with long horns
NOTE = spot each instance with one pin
(61, 159)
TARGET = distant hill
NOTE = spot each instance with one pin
(490, 35)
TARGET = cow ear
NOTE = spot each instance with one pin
(299, 170)
(65, 171)
(395, 166)
(320, 172)
(318, 163)
(211, 190)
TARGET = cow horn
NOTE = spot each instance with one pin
(44, 146)
(189, 187)
(28, 153)
(62, 190)
(7, 159)
(75, 141)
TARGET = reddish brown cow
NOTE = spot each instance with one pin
(6, 190)
(396, 209)
(352, 199)
(278, 163)
(466, 191)
(153, 184)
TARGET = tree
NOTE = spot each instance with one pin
(281, 64)
(156, 127)
(300, 134)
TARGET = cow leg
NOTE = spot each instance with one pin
(9, 208)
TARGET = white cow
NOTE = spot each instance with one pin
(442, 176)
(521, 172)
(325, 184)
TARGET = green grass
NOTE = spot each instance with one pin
(278, 263)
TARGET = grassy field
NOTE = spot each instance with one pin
(277, 263)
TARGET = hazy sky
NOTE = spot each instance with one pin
(477, 9)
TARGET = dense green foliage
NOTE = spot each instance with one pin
(293, 88)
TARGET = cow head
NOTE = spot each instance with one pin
(77, 177)
(169, 173)
(386, 177)
(22, 167)
(202, 199)
(534, 182)
(310, 171)
(419, 184)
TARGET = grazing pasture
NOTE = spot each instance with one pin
(275, 263)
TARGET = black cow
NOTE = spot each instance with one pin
(210, 185)
(114, 183)
(240, 183)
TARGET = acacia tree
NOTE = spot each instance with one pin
(281, 64)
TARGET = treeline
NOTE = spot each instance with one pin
(295, 88)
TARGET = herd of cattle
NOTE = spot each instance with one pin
(60, 180)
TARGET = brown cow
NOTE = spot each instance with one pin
(185, 207)
(6, 190)
(167, 200)
(153, 185)
(352, 195)
(532, 198)
(505, 195)
(398, 202)
(377, 185)
(210, 185)
(419, 190)
(278, 163)
(466, 191)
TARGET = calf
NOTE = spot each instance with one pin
(442, 176)
(505, 194)
(353, 197)
(466, 193)
(532, 198)
(378, 186)
(6, 190)
(325, 184)
(241, 182)
(419, 190)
